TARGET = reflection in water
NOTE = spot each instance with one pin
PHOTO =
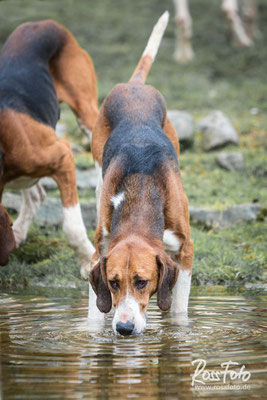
(49, 352)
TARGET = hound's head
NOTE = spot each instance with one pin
(7, 240)
(127, 277)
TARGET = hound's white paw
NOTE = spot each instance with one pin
(85, 269)
(20, 236)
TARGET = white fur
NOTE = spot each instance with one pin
(171, 241)
(31, 200)
(129, 310)
(105, 240)
(93, 311)
(156, 36)
(105, 231)
(99, 187)
(183, 49)
(181, 291)
(117, 199)
(230, 8)
(74, 229)
(23, 182)
(85, 129)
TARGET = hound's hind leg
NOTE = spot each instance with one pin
(31, 201)
(73, 225)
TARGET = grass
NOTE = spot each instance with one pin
(231, 256)
(115, 32)
(210, 186)
(44, 260)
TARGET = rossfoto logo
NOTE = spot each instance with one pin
(225, 378)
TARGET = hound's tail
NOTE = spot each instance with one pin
(150, 52)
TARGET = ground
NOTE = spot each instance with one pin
(221, 76)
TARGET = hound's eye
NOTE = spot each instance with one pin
(114, 284)
(140, 284)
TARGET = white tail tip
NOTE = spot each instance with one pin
(156, 36)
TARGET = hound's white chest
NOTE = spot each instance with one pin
(23, 182)
(171, 242)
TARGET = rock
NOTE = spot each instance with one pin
(184, 125)
(217, 130)
(86, 179)
(76, 148)
(48, 183)
(231, 161)
(89, 214)
(50, 212)
(228, 217)
(61, 130)
(11, 201)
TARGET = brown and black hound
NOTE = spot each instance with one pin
(41, 64)
(142, 239)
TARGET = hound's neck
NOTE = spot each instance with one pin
(140, 211)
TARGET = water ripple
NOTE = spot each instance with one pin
(49, 352)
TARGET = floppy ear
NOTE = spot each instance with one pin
(168, 272)
(98, 281)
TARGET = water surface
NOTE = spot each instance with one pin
(48, 351)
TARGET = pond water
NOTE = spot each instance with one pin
(47, 350)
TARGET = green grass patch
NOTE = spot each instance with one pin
(230, 257)
(208, 185)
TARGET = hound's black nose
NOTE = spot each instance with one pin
(125, 329)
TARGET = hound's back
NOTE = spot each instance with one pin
(26, 84)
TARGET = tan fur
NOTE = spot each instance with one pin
(7, 240)
(31, 148)
(100, 135)
(37, 152)
(138, 257)
(141, 71)
(171, 133)
(75, 80)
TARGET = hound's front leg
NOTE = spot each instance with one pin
(181, 290)
(95, 316)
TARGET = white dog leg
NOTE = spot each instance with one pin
(181, 291)
(93, 311)
(96, 318)
(74, 229)
(31, 200)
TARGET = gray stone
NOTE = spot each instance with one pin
(11, 201)
(231, 161)
(86, 179)
(61, 130)
(184, 125)
(224, 218)
(48, 183)
(76, 148)
(217, 130)
(50, 212)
